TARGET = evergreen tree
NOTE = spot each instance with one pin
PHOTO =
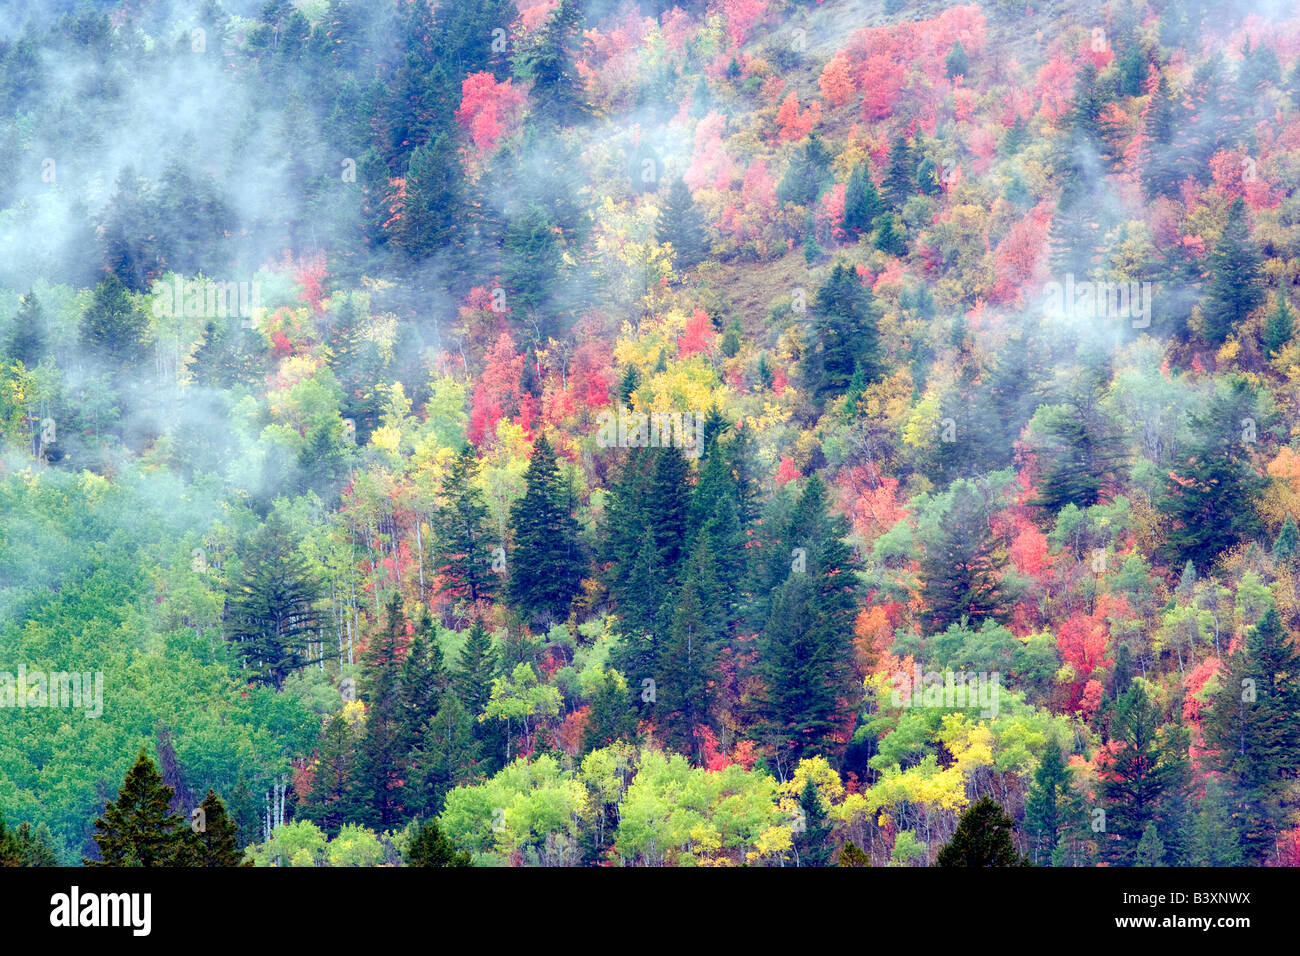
(138, 828)
(862, 202)
(1053, 810)
(337, 796)
(1080, 456)
(381, 761)
(1150, 849)
(1142, 779)
(681, 223)
(1159, 174)
(850, 855)
(844, 334)
(1211, 494)
(900, 173)
(960, 570)
(547, 62)
(957, 63)
(213, 838)
(432, 203)
(1234, 288)
(812, 838)
(432, 848)
(447, 754)
(27, 335)
(610, 717)
(463, 555)
(982, 838)
(808, 174)
(271, 606)
(1254, 730)
(1215, 840)
(532, 262)
(475, 670)
(546, 562)
(1279, 327)
(1287, 544)
(112, 328)
(888, 238)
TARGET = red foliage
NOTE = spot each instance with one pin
(794, 125)
(835, 82)
(310, 273)
(787, 472)
(1019, 255)
(699, 335)
(487, 108)
(741, 16)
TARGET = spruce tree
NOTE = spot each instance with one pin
(982, 838)
(850, 855)
(546, 561)
(463, 554)
(337, 796)
(432, 848)
(1234, 289)
(960, 569)
(812, 838)
(212, 839)
(957, 63)
(900, 174)
(808, 174)
(1287, 544)
(888, 238)
(844, 335)
(1279, 327)
(112, 329)
(138, 828)
(546, 61)
(447, 754)
(1254, 731)
(862, 202)
(271, 613)
(681, 223)
(381, 759)
(1052, 808)
(26, 342)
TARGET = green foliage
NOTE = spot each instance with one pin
(982, 838)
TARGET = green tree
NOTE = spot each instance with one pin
(546, 561)
(546, 61)
(432, 848)
(212, 838)
(432, 204)
(138, 828)
(26, 342)
(957, 63)
(381, 761)
(808, 174)
(681, 223)
(900, 173)
(982, 838)
(862, 202)
(463, 558)
(1287, 544)
(961, 569)
(112, 328)
(844, 337)
(1234, 289)
(1279, 327)
(1053, 810)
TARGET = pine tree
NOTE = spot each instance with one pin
(900, 173)
(546, 562)
(476, 668)
(380, 764)
(808, 174)
(960, 570)
(112, 328)
(1254, 729)
(463, 556)
(1052, 808)
(957, 63)
(1080, 456)
(432, 848)
(1142, 778)
(1150, 849)
(1234, 288)
(10, 852)
(681, 223)
(982, 838)
(844, 334)
(850, 855)
(138, 828)
(862, 202)
(432, 204)
(447, 754)
(888, 238)
(27, 336)
(610, 716)
(213, 838)
(812, 838)
(1215, 839)
(1279, 327)
(271, 611)
(532, 261)
(337, 796)
(547, 62)
(1210, 497)
(1159, 174)
(1287, 544)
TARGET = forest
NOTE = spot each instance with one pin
(649, 433)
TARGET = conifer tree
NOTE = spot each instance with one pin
(26, 342)
(844, 334)
(546, 61)
(545, 563)
(808, 174)
(957, 63)
(1234, 289)
(138, 828)
(1053, 810)
(1279, 327)
(812, 838)
(888, 237)
(381, 761)
(862, 202)
(1254, 730)
(960, 569)
(463, 555)
(681, 223)
(212, 839)
(432, 848)
(983, 838)
(1287, 544)
(900, 174)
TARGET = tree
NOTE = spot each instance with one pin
(1287, 544)
(982, 838)
(956, 63)
(1052, 808)
(808, 174)
(545, 563)
(336, 797)
(138, 828)
(1254, 730)
(381, 760)
(547, 62)
(681, 223)
(812, 837)
(27, 337)
(862, 202)
(888, 237)
(271, 611)
(1279, 327)
(1142, 775)
(531, 263)
(960, 570)
(1234, 289)
(1211, 493)
(213, 838)
(432, 848)
(112, 328)
(844, 337)
(432, 213)
(900, 173)
(462, 551)
(850, 855)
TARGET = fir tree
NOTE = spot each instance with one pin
(960, 570)
(138, 828)
(271, 611)
(681, 223)
(1279, 327)
(112, 328)
(27, 335)
(1254, 730)
(432, 848)
(381, 760)
(463, 556)
(888, 238)
(213, 838)
(844, 334)
(900, 173)
(337, 796)
(1150, 849)
(1287, 544)
(850, 855)
(808, 174)
(982, 838)
(812, 838)
(862, 202)
(547, 62)
(1234, 289)
(545, 564)
(1052, 808)
(957, 63)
